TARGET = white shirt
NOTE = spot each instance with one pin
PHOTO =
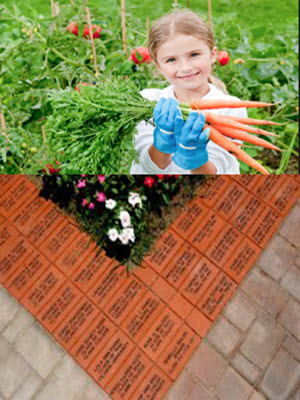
(224, 162)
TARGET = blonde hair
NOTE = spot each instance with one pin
(186, 23)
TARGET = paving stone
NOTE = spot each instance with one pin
(290, 318)
(232, 386)
(28, 388)
(296, 395)
(257, 396)
(13, 372)
(292, 346)
(207, 364)
(290, 229)
(265, 292)
(41, 352)
(182, 387)
(241, 311)
(262, 341)
(244, 367)
(21, 321)
(224, 336)
(8, 308)
(200, 393)
(92, 391)
(281, 376)
(4, 348)
(65, 383)
(277, 257)
(291, 281)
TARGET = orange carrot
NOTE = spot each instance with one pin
(203, 104)
(252, 121)
(217, 119)
(233, 149)
(241, 135)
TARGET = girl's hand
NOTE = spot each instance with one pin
(165, 114)
(191, 143)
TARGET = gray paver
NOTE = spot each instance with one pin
(257, 396)
(200, 393)
(92, 391)
(241, 311)
(246, 368)
(262, 341)
(182, 387)
(291, 282)
(21, 321)
(232, 386)
(65, 383)
(28, 389)
(277, 257)
(207, 364)
(292, 346)
(281, 376)
(40, 350)
(8, 308)
(290, 318)
(4, 348)
(265, 292)
(224, 336)
(290, 228)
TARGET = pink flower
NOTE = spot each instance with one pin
(91, 206)
(81, 184)
(101, 197)
(101, 178)
(84, 202)
(83, 175)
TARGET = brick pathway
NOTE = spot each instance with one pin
(252, 347)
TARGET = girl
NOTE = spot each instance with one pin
(182, 47)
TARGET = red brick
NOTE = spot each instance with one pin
(180, 305)
(247, 213)
(77, 322)
(266, 186)
(27, 273)
(160, 334)
(92, 340)
(142, 317)
(91, 270)
(111, 358)
(178, 352)
(217, 296)
(230, 200)
(7, 181)
(248, 181)
(181, 265)
(163, 289)
(129, 376)
(124, 300)
(154, 386)
(212, 189)
(15, 254)
(286, 195)
(8, 235)
(244, 257)
(107, 285)
(59, 306)
(145, 274)
(42, 290)
(16, 195)
(59, 240)
(75, 254)
(207, 230)
(2, 219)
(223, 246)
(198, 322)
(164, 250)
(188, 220)
(264, 227)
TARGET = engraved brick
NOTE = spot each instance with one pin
(247, 213)
(93, 339)
(266, 186)
(212, 189)
(8, 234)
(230, 200)
(68, 332)
(199, 280)
(217, 296)
(248, 181)
(15, 196)
(26, 274)
(160, 334)
(7, 181)
(154, 386)
(286, 195)
(264, 227)
(198, 322)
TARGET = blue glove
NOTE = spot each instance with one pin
(164, 114)
(191, 140)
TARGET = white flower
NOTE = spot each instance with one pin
(134, 199)
(110, 204)
(113, 234)
(129, 232)
(124, 238)
(125, 219)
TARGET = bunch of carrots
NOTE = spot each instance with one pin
(223, 127)
(95, 128)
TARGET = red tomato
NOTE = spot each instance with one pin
(223, 57)
(73, 28)
(96, 31)
(144, 52)
(52, 169)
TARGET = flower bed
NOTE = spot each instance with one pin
(122, 213)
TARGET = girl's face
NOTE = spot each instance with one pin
(186, 62)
